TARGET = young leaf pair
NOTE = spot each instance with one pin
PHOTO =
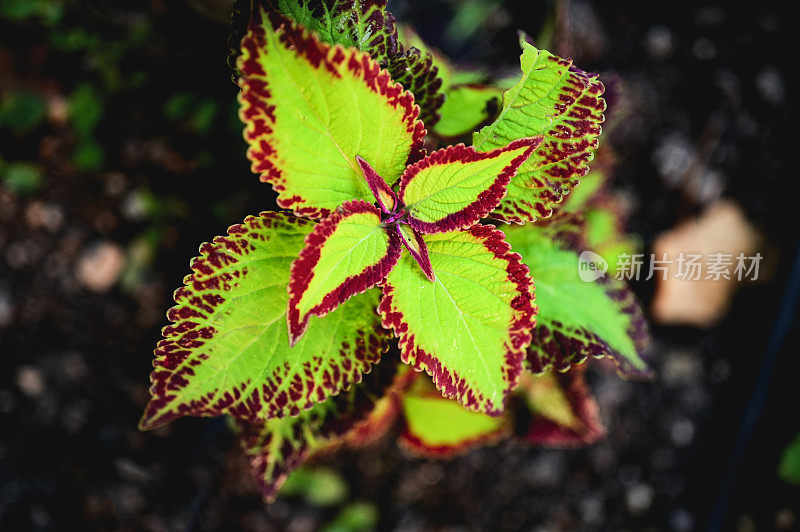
(358, 245)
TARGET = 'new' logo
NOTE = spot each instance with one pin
(591, 266)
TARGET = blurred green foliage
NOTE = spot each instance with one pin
(318, 486)
(466, 108)
(22, 111)
(85, 109)
(50, 11)
(354, 517)
(789, 468)
(324, 487)
(22, 178)
(196, 113)
(468, 19)
(86, 106)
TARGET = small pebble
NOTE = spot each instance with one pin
(785, 519)
(99, 267)
(659, 42)
(681, 521)
(30, 381)
(682, 432)
(704, 50)
(591, 509)
(770, 85)
(6, 309)
(681, 368)
(639, 498)
(45, 216)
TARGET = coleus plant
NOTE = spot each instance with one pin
(283, 321)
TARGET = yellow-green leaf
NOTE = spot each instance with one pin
(310, 108)
(470, 327)
(555, 99)
(227, 350)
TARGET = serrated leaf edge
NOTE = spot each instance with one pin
(450, 383)
(257, 112)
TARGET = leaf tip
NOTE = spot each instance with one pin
(524, 38)
(149, 421)
(296, 327)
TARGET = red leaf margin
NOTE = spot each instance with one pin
(565, 352)
(378, 187)
(548, 433)
(416, 446)
(331, 424)
(186, 334)
(302, 269)
(551, 349)
(418, 249)
(258, 113)
(486, 201)
(449, 383)
(570, 148)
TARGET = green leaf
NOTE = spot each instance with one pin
(361, 24)
(227, 350)
(789, 468)
(310, 108)
(592, 188)
(456, 186)
(578, 318)
(347, 253)
(415, 244)
(369, 27)
(440, 428)
(469, 328)
(603, 220)
(275, 447)
(415, 70)
(384, 195)
(555, 99)
(604, 236)
(563, 411)
(465, 108)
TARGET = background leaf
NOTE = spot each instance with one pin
(416, 71)
(789, 468)
(275, 447)
(578, 318)
(440, 428)
(362, 24)
(555, 99)
(564, 413)
(466, 108)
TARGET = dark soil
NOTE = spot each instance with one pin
(704, 82)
